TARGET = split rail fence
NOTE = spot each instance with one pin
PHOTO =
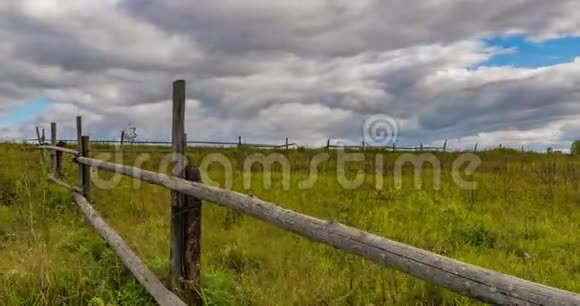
(187, 192)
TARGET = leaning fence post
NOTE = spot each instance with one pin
(40, 143)
(53, 143)
(85, 170)
(38, 136)
(445, 146)
(177, 251)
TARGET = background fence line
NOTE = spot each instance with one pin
(286, 146)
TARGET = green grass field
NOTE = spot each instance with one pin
(523, 219)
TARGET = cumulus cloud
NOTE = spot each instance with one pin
(307, 70)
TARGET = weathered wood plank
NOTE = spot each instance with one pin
(152, 284)
(469, 280)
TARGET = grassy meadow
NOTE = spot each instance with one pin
(523, 219)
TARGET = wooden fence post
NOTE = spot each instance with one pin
(475, 147)
(445, 146)
(53, 143)
(394, 147)
(85, 171)
(58, 171)
(80, 145)
(239, 141)
(192, 242)
(122, 139)
(287, 143)
(43, 136)
(328, 144)
(177, 199)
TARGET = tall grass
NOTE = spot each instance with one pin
(522, 220)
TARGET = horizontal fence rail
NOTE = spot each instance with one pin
(59, 149)
(469, 280)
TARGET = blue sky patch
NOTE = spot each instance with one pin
(23, 113)
(532, 54)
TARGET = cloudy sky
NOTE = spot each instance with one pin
(486, 71)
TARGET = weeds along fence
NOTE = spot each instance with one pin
(188, 192)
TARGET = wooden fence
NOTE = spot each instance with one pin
(197, 142)
(187, 192)
(287, 145)
(392, 147)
